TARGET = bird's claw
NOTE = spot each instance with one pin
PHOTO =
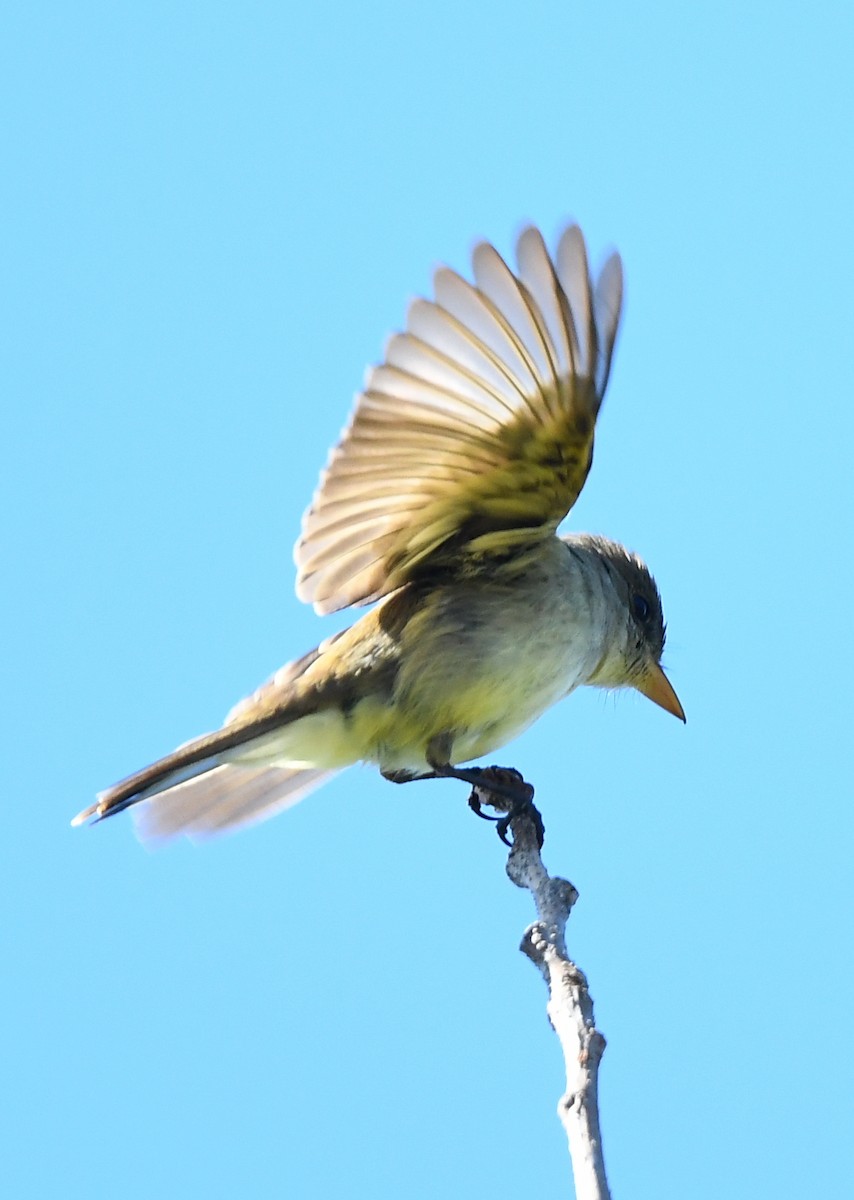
(520, 796)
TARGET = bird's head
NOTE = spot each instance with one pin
(633, 655)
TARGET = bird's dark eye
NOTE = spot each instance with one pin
(640, 607)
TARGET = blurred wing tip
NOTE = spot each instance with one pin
(308, 592)
(568, 230)
(611, 272)
(527, 230)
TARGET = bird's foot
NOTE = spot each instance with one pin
(508, 785)
(501, 781)
(512, 794)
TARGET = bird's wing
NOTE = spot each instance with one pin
(476, 433)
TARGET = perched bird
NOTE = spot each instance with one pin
(465, 450)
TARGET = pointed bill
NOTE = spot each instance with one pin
(655, 685)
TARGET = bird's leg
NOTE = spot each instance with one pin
(476, 776)
(508, 787)
(502, 782)
(407, 776)
(507, 783)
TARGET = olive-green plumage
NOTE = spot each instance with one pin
(466, 448)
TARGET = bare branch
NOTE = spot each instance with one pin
(570, 1009)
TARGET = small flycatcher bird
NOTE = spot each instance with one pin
(467, 447)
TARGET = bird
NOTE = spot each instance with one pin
(440, 505)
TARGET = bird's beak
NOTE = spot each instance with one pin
(655, 685)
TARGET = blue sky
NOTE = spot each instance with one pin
(212, 216)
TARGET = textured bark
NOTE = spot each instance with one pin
(570, 1009)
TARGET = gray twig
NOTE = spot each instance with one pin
(570, 1009)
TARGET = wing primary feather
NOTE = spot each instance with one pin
(464, 354)
(573, 274)
(607, 306)
(497, 282)
(474, 310)
(442, 395)
(538, 275)
(352, 525)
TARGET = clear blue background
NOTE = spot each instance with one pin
(212, 214)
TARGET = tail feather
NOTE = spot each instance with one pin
(184, 764)
(266, 757)
(204, 786)
(226, 797)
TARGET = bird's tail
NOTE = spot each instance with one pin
(227, 797)
(199, 790)
(275, 747)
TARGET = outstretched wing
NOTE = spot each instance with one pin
(476, 433)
